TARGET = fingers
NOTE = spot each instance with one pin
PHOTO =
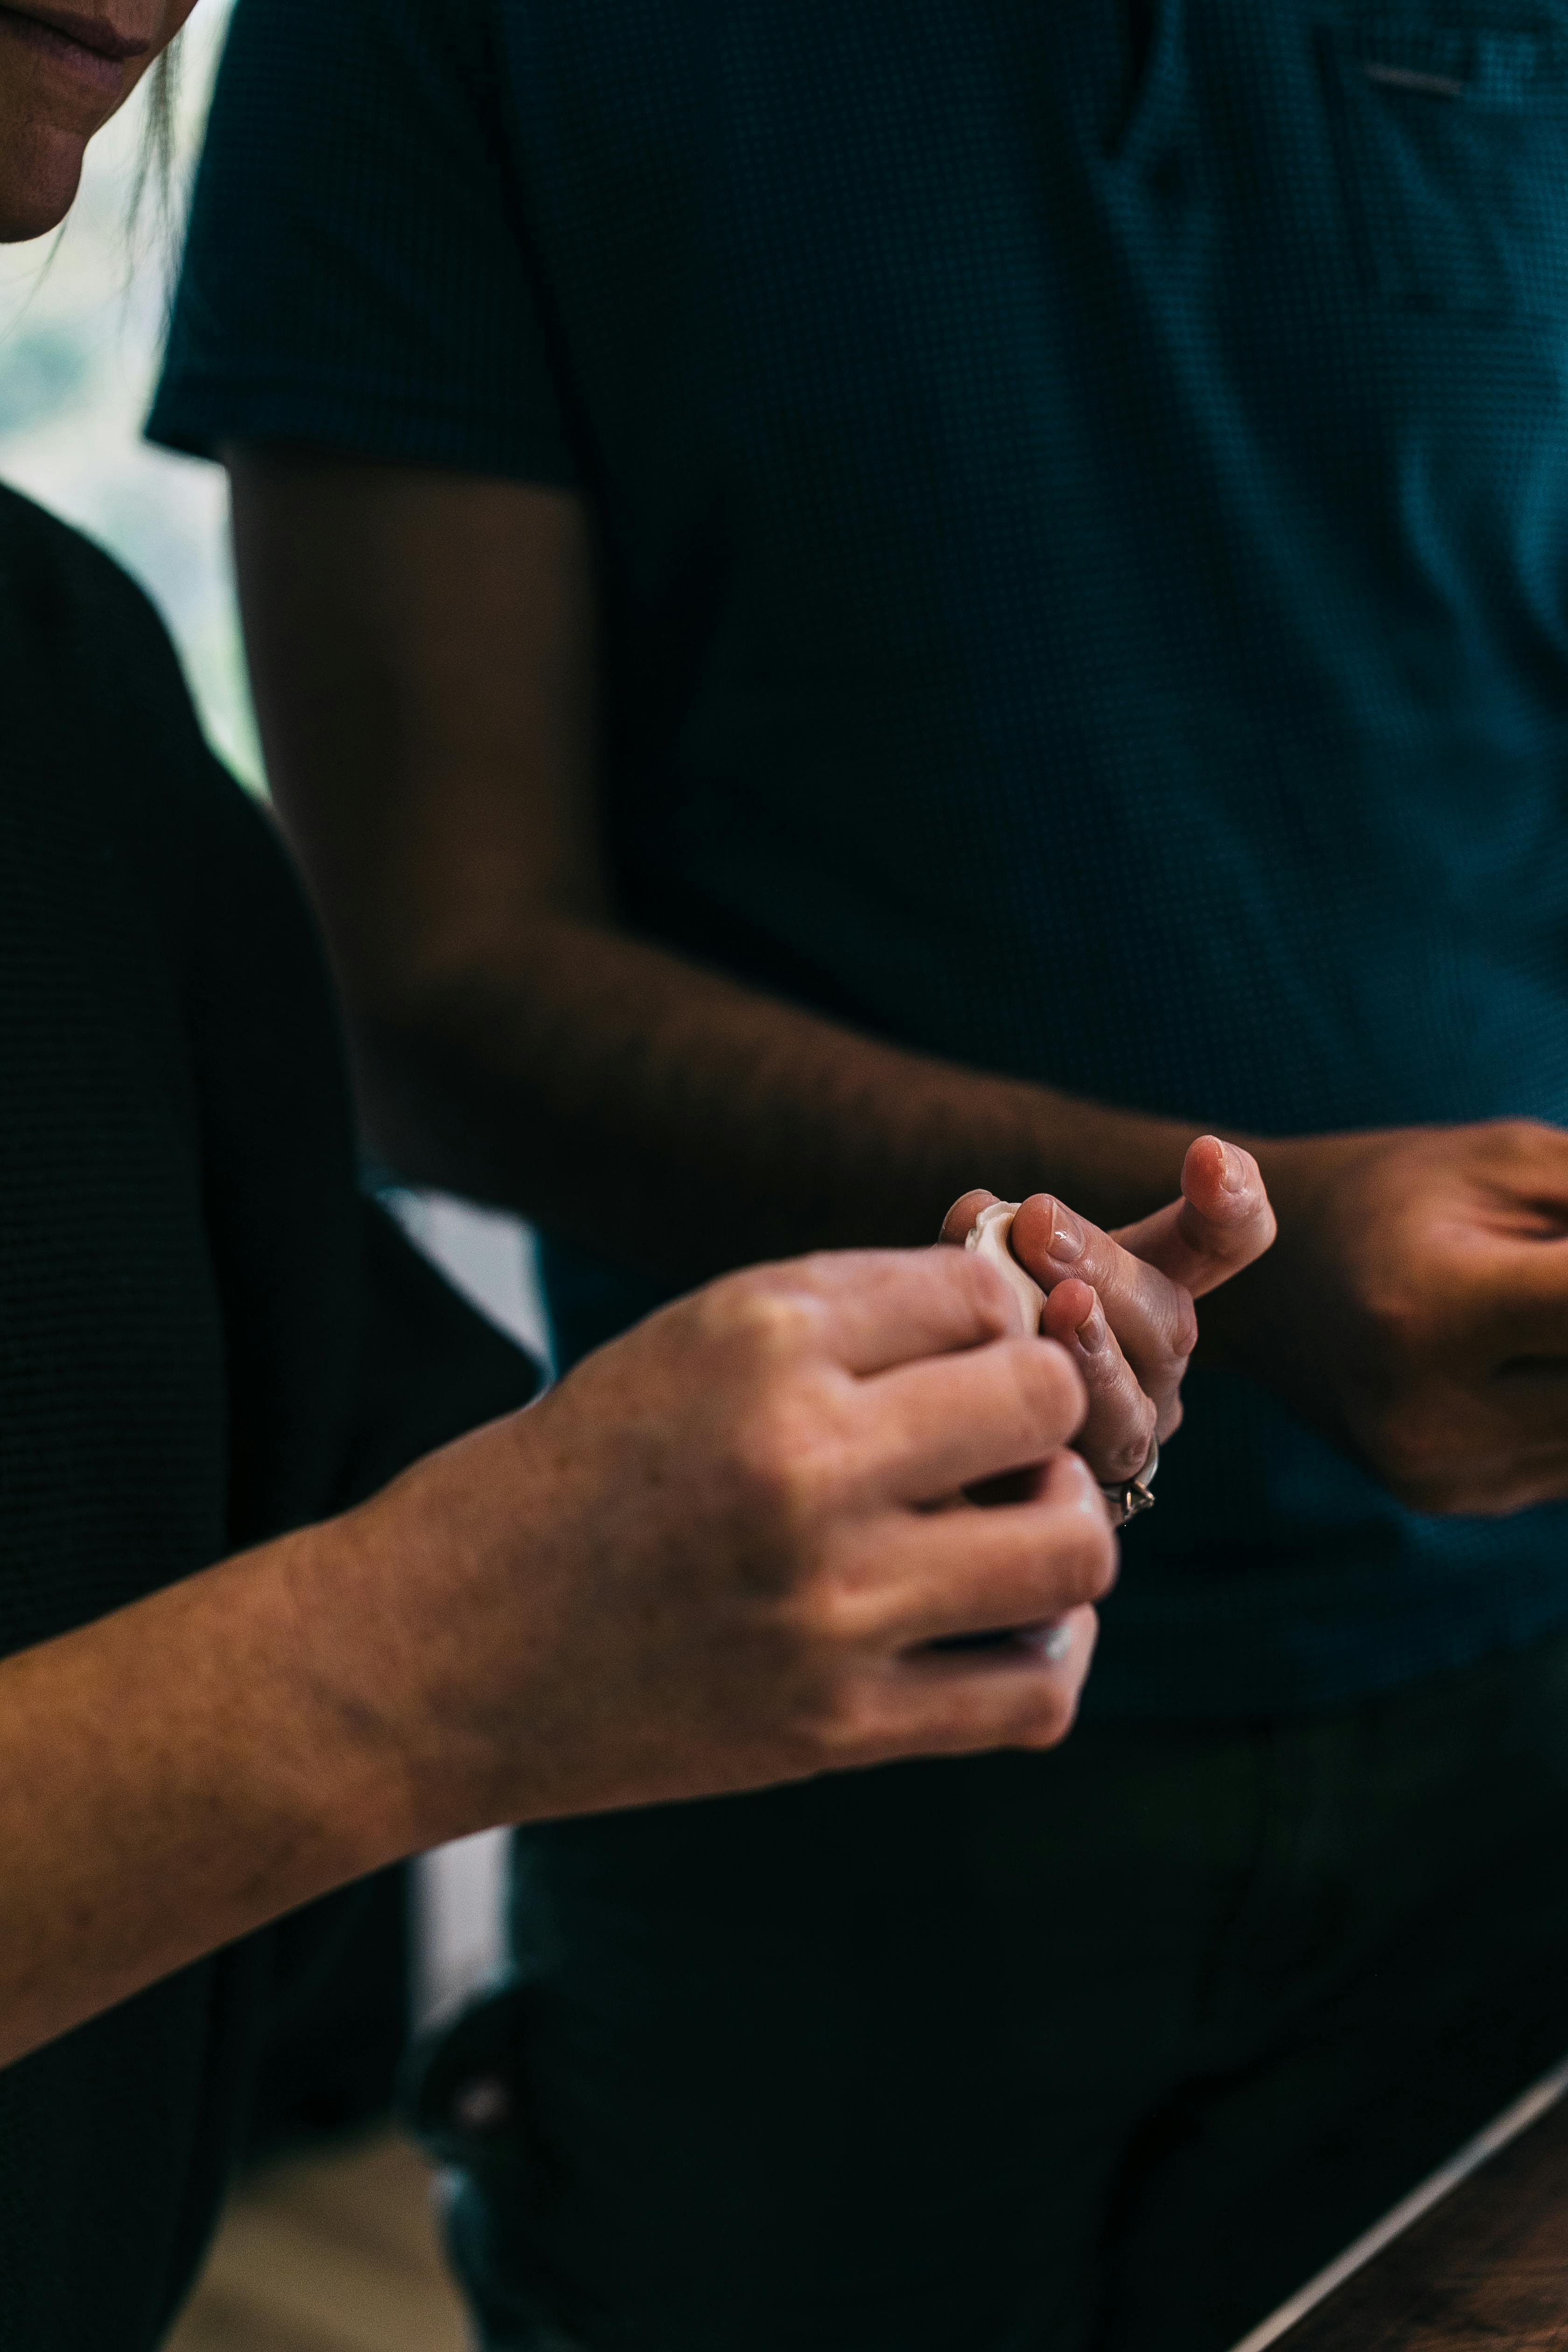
(1222, 1222)
(1019, 1694)
(1510, 1298)
(867, 1309)
(1121, 1423)
(1487, 1450)
(1010, 1565)
(959, 1222)
(989, 1240)
(1527, 1409)
(1150, 1316)
(924, 1430)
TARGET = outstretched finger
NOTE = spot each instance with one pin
(1221, 1222)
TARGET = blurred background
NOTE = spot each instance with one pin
(81, 317)
(329, 2246)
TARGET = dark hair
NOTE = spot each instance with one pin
(156, 169)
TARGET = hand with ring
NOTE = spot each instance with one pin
(1122, 1303)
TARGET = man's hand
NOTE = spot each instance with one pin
(1122, 1304)
(1415, 1306)
(721, 1551)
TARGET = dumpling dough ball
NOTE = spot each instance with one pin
(988, 1238)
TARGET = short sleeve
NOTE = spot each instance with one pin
(357, 273)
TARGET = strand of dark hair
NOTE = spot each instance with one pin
(155, 183)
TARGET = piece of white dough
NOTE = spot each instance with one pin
(988, 1238)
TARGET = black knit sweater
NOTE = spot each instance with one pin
(204, 1336)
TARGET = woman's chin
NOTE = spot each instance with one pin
(41, 171)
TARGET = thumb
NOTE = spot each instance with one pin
(1221, 1222)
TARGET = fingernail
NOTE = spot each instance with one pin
(1093, 1331)
(1052, 1642)
(1231, 1174)
(1067, 1235)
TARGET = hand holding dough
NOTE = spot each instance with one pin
(1118, 1436)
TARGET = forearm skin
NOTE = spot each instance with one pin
(426, 652)
(687, 1124)
(176, 1774)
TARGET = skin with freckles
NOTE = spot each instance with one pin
(64, 71)
(740, 1546)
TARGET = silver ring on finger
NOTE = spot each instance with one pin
(1128, 1497)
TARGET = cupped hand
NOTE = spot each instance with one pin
(1122, 1303)
(724, 1550)
(1415, 1306)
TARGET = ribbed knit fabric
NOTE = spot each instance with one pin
(1082, 490)
(202, 1341)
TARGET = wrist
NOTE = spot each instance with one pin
(416, 1616)
(350, 1645)
(1302, 1170)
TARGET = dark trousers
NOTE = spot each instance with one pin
(1104, 2051)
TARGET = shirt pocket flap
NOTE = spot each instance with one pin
(1453, 143)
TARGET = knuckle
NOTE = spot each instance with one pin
(783, 1466)
(1081, 1556)
(794, 1671)
(1072, 1486)
(1104, 1564)
(837, 1725)
(826, 1620)
(1523, 1138)
(1406, 1323)
(1052, 1717)
(1129, 1451)
(986, 1289)
(759, 1318)
(1051, 1390)
(1419, 1461)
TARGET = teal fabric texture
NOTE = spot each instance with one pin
(1084, 492)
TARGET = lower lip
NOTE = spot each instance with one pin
(86, 65)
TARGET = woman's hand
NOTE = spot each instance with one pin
(714, 1557)
(1122, 1303)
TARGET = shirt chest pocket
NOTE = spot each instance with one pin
(1452, 143)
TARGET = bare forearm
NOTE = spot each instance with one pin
(423, 648)
(172, 1776)
(603, 1084)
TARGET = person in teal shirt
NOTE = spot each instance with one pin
(851, 599)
